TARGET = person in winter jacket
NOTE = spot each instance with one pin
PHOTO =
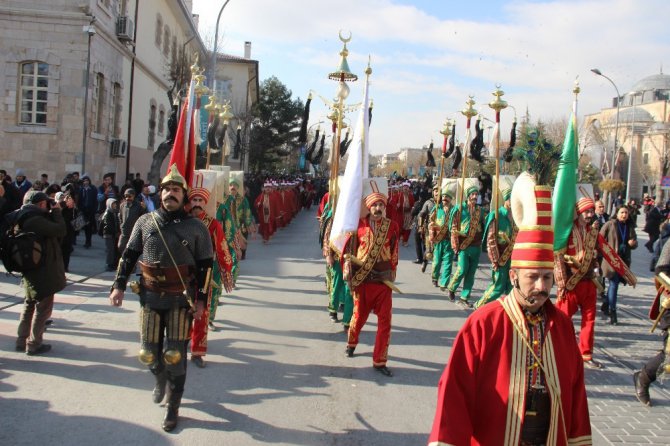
(110, 231)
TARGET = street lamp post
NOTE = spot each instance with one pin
(616, 125)
(90, 30)
(633, 144)
(212, 62)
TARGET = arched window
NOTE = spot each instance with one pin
(115, 111)
(34, 83)
(161, 120)
(166, 41)
(98, 102)
(159, 30)
(152, 125)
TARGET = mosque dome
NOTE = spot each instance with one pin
(649, 89)
(632, 114)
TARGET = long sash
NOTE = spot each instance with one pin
(373, 253)
(585, 262)
(444, 229)
(474, 217)
(507, 253)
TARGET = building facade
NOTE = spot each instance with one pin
(642, 133)
(84, 83)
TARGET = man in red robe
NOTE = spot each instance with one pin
(267, 211)
(515, 375)
(575, 274)
(370, 268)
(404, 211)
(198, 198)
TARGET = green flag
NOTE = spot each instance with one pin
(565, 189)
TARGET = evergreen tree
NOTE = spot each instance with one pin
(275, 127)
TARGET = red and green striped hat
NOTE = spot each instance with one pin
(531, 208)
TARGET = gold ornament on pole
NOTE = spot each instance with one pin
(497, 104)
(446, 132)
(341, 74)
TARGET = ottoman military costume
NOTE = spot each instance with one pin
(176, 252)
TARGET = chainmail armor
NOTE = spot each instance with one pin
(187, 237)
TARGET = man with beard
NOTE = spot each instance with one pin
(466, 226)
(514, 376)
(443, 255)
(575, 274)
(223, 264)
(370, 267)
(176, 252)
(241, 212)
(129, 211)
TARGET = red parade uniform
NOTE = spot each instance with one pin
(225, 264)
(473, 409)
(575, 280)
(268, 214)
(377, 248)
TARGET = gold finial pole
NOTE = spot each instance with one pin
(468, 112)
(341, 74)
(497, 104)
(211, 108)
(446, 132)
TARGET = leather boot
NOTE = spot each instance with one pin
(642, 382)
(159, 388)
(172, 412)
(613, 318)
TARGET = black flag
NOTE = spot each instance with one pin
(477, 144)
(430, 162)
(319, 154)
(302, 138)
(509, 153)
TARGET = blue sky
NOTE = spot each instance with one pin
(429, 56)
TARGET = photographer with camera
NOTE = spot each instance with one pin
(43, 216)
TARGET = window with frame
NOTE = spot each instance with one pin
(34, 81)
(174, 50)
(98, 102)
(152, 126)
(159, 30)
(161, 120)
(115, 111)
(166, 42)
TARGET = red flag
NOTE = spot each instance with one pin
(183, 151)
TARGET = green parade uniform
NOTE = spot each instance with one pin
(338, 289)
(443, 254)
(499, 250)
(239, 206)
(466, 240)
(225, 217)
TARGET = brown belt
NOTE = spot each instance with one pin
(165, 279)
(537, 418)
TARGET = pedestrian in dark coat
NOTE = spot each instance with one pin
(40, 285)
(653, 227)
(110, 232)
(620, 234)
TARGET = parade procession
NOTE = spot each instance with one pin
(272, 272)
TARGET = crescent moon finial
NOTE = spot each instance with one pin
(343, 39)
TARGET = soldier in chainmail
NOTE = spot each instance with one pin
(176, 264)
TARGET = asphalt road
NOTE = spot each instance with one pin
(276, 371)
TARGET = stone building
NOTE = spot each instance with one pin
(84, 83)
(642, 136)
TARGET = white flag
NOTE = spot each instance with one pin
(348, 208)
